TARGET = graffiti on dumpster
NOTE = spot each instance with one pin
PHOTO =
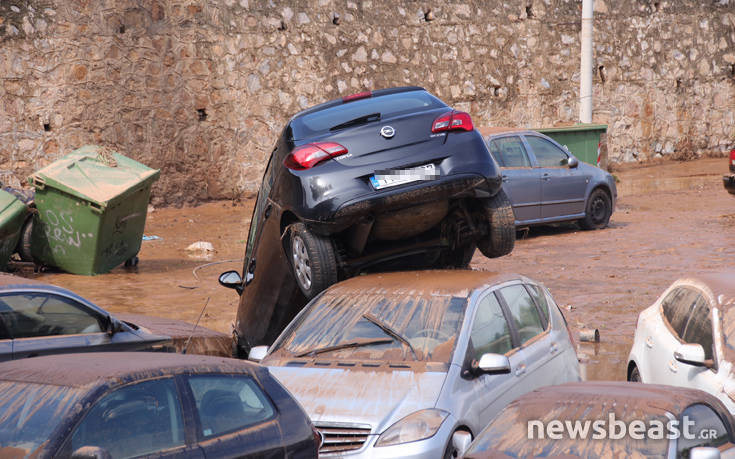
(61, 234)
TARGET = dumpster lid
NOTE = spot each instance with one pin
(94, 173)
(8, 200)
(574, 128)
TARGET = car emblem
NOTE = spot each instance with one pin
(387, 131)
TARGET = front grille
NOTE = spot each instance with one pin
(340, 438)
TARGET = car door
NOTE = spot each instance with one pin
(538, 348)
(234, 417)
(563, 189)
(521, 181)
(491, 332)
(142, 419)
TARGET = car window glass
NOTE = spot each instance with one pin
(226, 403)
(492, 146)
(699, 326)
(677, 306)
(540, 298)
(134, 420)
(701, 418)
(547, 154)
(523, 311)
(28, 315)
(263, 193)
(490, 332)
(511, 152)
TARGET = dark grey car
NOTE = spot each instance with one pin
(546, 183)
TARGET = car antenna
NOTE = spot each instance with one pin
(188, 340)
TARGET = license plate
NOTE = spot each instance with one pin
(387, 179)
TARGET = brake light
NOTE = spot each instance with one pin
(732, 158)
(358, 96)
(308, 156)
(453, 121)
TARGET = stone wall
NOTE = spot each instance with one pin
(201, 88)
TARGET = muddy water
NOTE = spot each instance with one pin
(671, 219)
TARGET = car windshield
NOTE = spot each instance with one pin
(386, 106)
(376, 327)
(518, 431)
(29, 413)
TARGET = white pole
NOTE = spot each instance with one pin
(585, 72)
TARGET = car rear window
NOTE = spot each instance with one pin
(388, 106)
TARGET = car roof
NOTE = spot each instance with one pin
(340, 101)
(97, 368)
(455, 282)
(721, 283)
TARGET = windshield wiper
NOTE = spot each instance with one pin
(356, 343)
(354, 122)
(390, 331)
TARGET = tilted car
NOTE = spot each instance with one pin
(381, 180)
(546, 183)
(524, 428)
(41, 319)
(687, 337)
(729, 180)
(121, 405)
(414, 364)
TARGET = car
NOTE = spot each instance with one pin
(381, 180)
(686, 337)
(39, 319)
(729, 180)
(611, 412)
(546, 183)
(144, 404)
(413, 364)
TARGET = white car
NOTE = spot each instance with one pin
(687, 337)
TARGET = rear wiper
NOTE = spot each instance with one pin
(390, 331)
(356, 343)
(354, 122)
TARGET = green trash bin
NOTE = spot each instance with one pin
(13, 214)
(588, 142)
(92, 206)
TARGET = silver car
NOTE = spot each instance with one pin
(414, 364)
(546, 183)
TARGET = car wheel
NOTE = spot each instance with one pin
(501, 235)
(458, 258)
(313, 259)
(458, 444)
(635, 375)
(598, 211)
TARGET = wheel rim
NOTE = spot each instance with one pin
(598, 209)
(301, 262)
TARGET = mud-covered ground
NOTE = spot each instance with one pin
(671, 219)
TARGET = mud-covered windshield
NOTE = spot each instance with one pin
(376, 327)
(29, 413)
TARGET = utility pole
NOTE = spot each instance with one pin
(585, 73)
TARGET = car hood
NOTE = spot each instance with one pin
(203, 340)
(378, 398)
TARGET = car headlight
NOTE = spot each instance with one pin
(414, 427)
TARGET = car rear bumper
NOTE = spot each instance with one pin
(729, 182)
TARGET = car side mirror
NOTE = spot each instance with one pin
(691, 354)
(493, 364)
(231, 279)
(257, 353)
(704, 452)
(572, 162)
(91, 452)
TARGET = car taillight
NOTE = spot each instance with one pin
(453, 121)
(732, 159)
(307, 156)
(358, 96)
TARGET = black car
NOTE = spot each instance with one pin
(148, 404)
(729, 180)
(42, 319)
(376, 181)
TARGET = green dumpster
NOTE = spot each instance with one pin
(92, 207)
(588, 142)
(13, 213)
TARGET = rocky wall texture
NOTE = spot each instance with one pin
(201, 88)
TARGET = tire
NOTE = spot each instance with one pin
(501, 235)
(313, 260)
(132, 262)
(456, 259)
(635, 375)
(24, 244)
(597, 211)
